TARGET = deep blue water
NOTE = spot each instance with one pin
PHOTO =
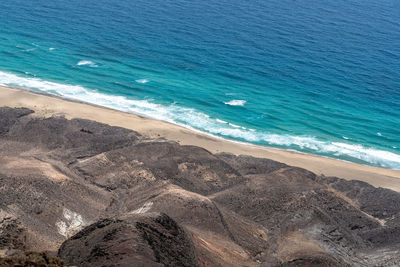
(320, 77)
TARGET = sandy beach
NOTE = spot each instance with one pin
(46, 106)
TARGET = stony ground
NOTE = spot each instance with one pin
(95, 195)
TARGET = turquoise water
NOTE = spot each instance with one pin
(321, 77)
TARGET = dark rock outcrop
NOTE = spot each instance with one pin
(134, 240)
(31, 259)
(9, 116)
(12, 235)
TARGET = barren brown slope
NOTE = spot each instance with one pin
(99, 194)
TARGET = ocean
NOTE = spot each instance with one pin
(320, 77)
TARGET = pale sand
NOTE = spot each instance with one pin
(47, 106)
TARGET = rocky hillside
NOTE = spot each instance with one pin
(96, 195)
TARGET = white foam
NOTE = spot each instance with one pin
(235, 103)
(193, 119)
(234, 125)
(86, 63)
(142, 81)
(344, 137)
(221, 121)
(379, 134)
(51, 48)
(378, 157)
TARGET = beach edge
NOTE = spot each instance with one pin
(47, 106)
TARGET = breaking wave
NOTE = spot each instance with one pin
(197, 120)
(86, 63)
(235, 103)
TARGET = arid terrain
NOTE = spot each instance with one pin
(89, 194)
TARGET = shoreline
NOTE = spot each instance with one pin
(45, 105)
